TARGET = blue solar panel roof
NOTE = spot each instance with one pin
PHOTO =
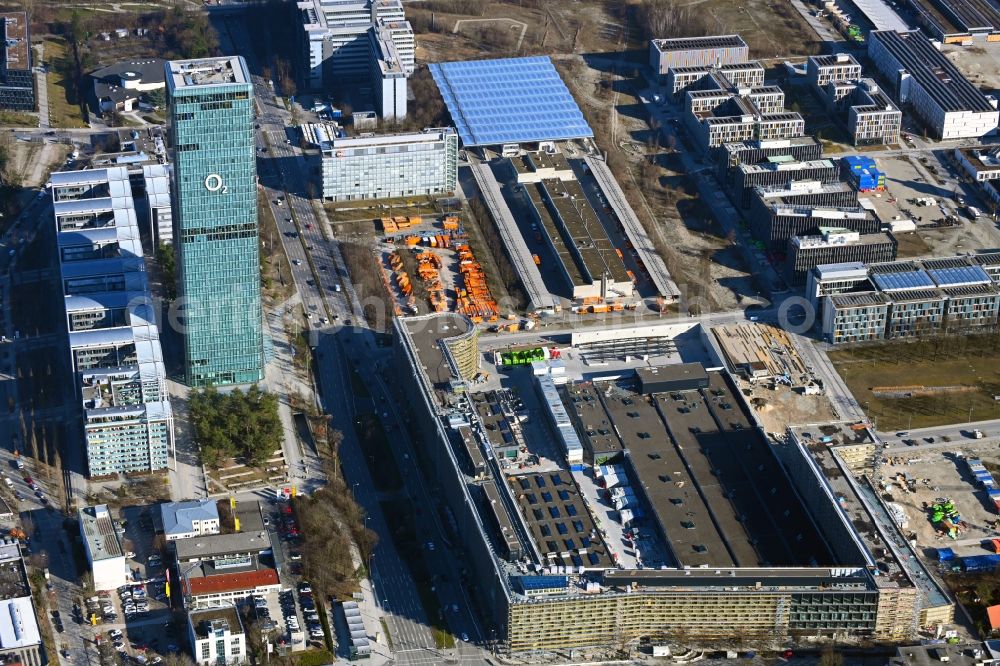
(904, 280)
(529, 583)
(512, 100)
(948, 277)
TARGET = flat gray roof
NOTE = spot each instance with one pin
(226, 70)
(220, 545)
(99, 531)
(426, 332)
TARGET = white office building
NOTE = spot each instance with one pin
(186, 520)
(157, 180)
(382, 166)
(114, 342)
(388, 76)
(217, 637)
(339, 44)
(924, 79)
(103, 547)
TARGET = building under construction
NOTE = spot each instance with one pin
(701, 532)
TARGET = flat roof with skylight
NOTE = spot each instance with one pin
(509, 100)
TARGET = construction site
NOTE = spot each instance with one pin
(427, 265)
(945, 498)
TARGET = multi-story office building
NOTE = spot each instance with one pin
(924, 79)
(156, 178)
(714, 51)
(388, 76)
(217, 638)
(222, 569)
(981, 163)
(835, 245)
(915, 312)
(719, 112)
(927, 297)
(744, 75)
(871, 115)
(344, 41)
(730, 156)
(17, 81)
(103, 548)
(551, 581)
(830, 279)
(778, 171)
(855, 317)
(384, 165)
(115, 352)
(823, 69)
(972, 307)
(217, 239)
(777, 214)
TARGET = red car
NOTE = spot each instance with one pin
(309, 225)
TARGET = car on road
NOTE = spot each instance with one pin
(279, 202)
(295, 556)
(323, 268)
(929, 440)
(465, 637)
(297, 262)
(309, 225)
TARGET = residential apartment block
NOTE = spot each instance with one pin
(382, 166)
(921, 298)
(720, 112)
(835, 245)
(924, 79)
(114, 342)
(17, 81)
(217, 239)
(870, 115)
(713, 51)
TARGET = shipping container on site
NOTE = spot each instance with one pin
(978, 563)
(945, 554)
(995, 498)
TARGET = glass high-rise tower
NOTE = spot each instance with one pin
(215, 226)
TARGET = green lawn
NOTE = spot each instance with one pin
(61, 112)
(972, 361)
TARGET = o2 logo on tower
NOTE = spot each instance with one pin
(213, 183)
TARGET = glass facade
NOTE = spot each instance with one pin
(216, 233)
(417, 164)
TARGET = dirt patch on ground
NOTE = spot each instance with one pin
(697, 253)
(31, 161)
(955, 361)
